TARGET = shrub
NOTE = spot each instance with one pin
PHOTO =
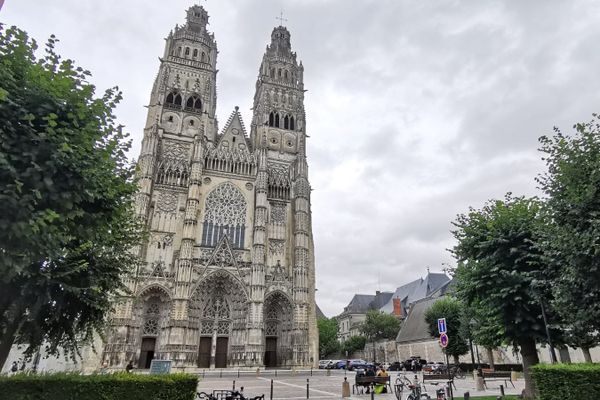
(567, 381)
(118, 386)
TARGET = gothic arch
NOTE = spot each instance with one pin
(153, 287)
(218, 312)
(278, 324)
(151, 313)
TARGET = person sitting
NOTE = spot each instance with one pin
(370, 373)
(381, 387)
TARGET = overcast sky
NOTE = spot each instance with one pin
(416, 110)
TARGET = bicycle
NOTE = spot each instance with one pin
(226, 395)
(399, 385)
(416, 393)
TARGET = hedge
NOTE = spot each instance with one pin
(567, 381)
(118, 386)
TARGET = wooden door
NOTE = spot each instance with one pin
(204, 352)
(271, 352)
(147, 353)
(221, 354)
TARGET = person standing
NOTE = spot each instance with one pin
(14, 368)
(129, 366)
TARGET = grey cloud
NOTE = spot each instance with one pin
(416, 110)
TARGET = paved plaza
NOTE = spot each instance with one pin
(293, 384)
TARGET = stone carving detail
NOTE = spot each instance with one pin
(278, 213)
(167, 202)
(226, 205)
(175, 150)
(276, 246)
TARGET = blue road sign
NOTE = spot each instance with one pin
(442, 325)
(443, 340)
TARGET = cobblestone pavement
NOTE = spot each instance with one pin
(292, 384)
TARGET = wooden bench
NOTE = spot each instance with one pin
(497, 376)
(438, 378)
(362, 381)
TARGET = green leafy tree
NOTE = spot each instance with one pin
(67, 224)
(572, 242)
(354, 343)
(328, 330)
(451, 309)
(379, 325)
(498, 266)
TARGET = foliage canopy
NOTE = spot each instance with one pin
(67, 223)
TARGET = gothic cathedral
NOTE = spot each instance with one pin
(228, 274)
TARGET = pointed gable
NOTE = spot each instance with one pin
(223, 255)
(233, 136)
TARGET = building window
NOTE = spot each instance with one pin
(194, 104)
(195, 55)
(173, 100)
(225, 214)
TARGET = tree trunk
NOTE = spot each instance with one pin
(455, 359)
(7, 339)
(586, 354)
(563, 353)
(490, 355)
(530, 358)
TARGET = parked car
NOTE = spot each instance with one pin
(420, 362)
(339, 364)
(396, 366)
(433, 367)
(323, 363)
(359, 364)
(332, 364)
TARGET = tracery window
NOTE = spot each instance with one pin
(152, 317)
(194, 104)
(225, 213)
(173, 100)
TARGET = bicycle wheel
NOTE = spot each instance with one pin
(459, 373)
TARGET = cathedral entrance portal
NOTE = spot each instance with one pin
(221, 352)
(271, 352)
(147, 353)
(278, 313)
(219, 309)
(204, 352)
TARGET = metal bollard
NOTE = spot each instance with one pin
(271, 397)
(310, 371)
(467, 396)
(502, 390)
(307, 388)
(220, 373)
(238, 372)
(233, 386)
(372, 392)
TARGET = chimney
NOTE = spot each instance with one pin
(397, 307)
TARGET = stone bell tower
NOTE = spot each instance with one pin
(278, 132)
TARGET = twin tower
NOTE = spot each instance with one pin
(228, 273)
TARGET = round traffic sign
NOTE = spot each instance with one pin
(443, 340)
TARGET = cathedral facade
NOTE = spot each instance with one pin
(227, 276)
